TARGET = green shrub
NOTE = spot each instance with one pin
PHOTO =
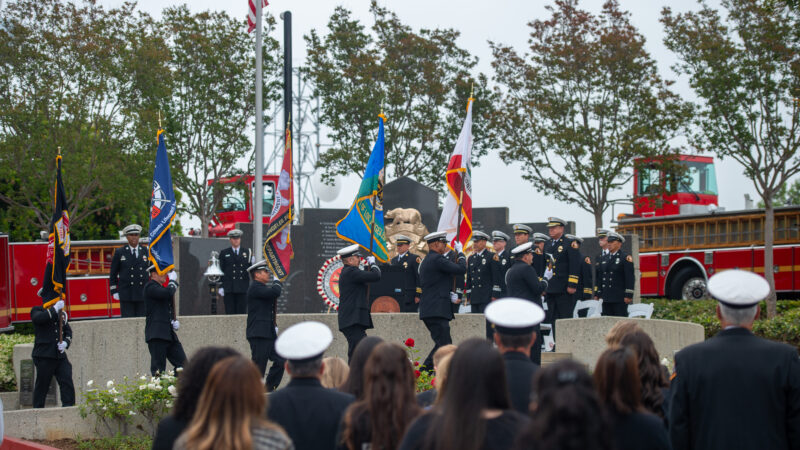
(8, 380)
(118, 442)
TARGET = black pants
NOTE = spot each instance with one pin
(45, 369)
(354, 334)
(562, 306)
(235, 302)
(536, 350)
(162, 350)
(618, 309)
(262, 350)
(480, 308)
(128, 308)
(440, 333)
(407, 303)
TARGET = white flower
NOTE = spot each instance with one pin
(156, 380)
(113, 391)
(158, 387)
(110, 383)
(104, 408)
(168, 404)
(179, 369)
(170, 373)
(143, 377)
(665, 361)
(131, 413)
(173, 391)
(116, 400)
(90, 382)
(142, 387)
(151, 386)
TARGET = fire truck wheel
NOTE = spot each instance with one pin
(689, 284)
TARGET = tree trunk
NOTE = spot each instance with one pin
(598, 217)
(204, 225)
(769, 238)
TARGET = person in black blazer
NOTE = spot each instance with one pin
(515, 322)
(436, 277)
(161, 323)
(501, 262)
(617, 280)
(129, 274)
(566, 271)
(410, 264)
(584, 290)
(262, 323)
(523, 282)
(736, 390)
(234, 261)
(49, 354)
(309, 413)
(354, 317)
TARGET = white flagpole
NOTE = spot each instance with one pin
(258, 194)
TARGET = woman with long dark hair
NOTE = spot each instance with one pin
(616, 377)
(474, 411)
(566, 412)
(230, 412)
(389, 404)
(655, 387)
(355, 379)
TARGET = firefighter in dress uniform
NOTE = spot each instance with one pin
(160, 323)
(234, 262)
(566, 269)
(49, 354)
(129, 274)
(540, 260)
(616, 282)
(585, 285)
(480, 276)
(522, 233)
(262, 323)
(500, 263)
(410, 264)
(354, 308)
(600, 259)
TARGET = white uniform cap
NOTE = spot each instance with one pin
(235, 233)
(514, 315)
(602, 232)
(555, 222)
(436, 236)
(499, 236)
(540, 237)
(132, 229)
(258, 266)
(522, 248)
(304, 341)
(574, 238)
(478, 235)
(402, 239)
(522, 228)
(612, 236)
(350, 250)
(738, 288)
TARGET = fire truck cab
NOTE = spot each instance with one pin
(237, 206)
(684, 238)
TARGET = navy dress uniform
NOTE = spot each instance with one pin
(262, 324)
(409, 262)
(601, 259)
(160, 326)
(501, 262)
(309, 413)
(517, 317)
(49, 355)
(585, 286)
(436, 274)
(354, 308)
(616, 281)
(539, 258)
(480, 278)
(524, 282)
(128, 274)
(736, 390)
(235, 281)
(566, 273)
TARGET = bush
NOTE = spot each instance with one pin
(8, 379)
(118, 442)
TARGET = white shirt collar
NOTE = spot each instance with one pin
(403, 254)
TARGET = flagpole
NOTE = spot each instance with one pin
(458, 225)
(258, 195)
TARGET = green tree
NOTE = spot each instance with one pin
(745, 71)
(79, 77)
(787, 195)
(582, 104)
(422, 77)
(212, 105)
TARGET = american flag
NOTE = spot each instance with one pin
(251, 14)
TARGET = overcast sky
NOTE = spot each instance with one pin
(503, 21)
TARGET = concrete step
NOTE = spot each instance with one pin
(551, 357)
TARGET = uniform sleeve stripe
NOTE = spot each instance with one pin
(573, 279)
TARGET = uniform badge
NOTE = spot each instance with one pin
(123, 258)
(574, 244)
(588, 261)
(560, 248)
(405, 264)
(483, 261)
(629, 258)
(504, 262)
(616, 261)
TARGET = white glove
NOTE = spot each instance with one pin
(371, 259)
(453, 297)
(116, 297)
(548, 273)
(458, 247)
(276, 329)
(172, 276)
(221, 292)
(62, 346)
(59, 305)
(175, 325)
(65, 317)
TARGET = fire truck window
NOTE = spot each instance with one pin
(700, 178)
(648, 181)
(234, 201)
(269, 198)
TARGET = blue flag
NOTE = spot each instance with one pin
(363, 224)
(162, 211)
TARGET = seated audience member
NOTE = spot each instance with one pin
(475, 412)
(620, 329)
(355, 378)
(515, 323)
(655, 387)
(308, 412)
(335, 373)
(230, 412)
(190, 386)
(381, 419)
(736, 390)
(566, 412)
(428, 398)
(616, 377)
(441, 378)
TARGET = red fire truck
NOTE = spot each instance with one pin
(684, 238)
(22, 268)
(237, 206)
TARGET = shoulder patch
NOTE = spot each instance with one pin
(629, 258)
(575, 244)
(588, 261)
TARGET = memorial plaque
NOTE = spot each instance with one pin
(26, 380)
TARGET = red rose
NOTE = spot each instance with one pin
(416, 363)
(433, 382)
(409, 342)
(417, 373)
